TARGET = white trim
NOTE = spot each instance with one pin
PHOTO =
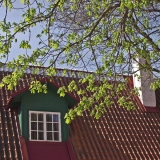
(44, 125)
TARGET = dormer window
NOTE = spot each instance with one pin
(44, 126)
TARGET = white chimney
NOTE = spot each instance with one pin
(143, 81)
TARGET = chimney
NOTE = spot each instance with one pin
(143, 81)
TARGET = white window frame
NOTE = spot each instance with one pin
(44, 125)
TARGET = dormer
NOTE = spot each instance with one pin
(41, 116)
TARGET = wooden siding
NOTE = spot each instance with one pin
(42, 102)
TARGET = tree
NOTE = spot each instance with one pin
(105, 35)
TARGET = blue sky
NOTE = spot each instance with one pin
(15, 16)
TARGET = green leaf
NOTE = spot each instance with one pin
(54, 44)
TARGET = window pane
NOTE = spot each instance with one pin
(49, 117)
(44, 126)
(49, 136)
(40, 126)
(56, 136)
(33, 135)
(55, 118)
(33, 116)
(40, 117)
(55, 126)
(49, 126)
(40, 136)
(33, 125)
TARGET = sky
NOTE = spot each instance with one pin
(15, 16)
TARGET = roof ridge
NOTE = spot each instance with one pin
(43, 67)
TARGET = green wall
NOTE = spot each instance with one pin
(42, 102)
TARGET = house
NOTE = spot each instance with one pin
(32, 125)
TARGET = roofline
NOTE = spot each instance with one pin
(74, 70)
(27, 88)
(148, 109)
(130, 83)
(43, 67)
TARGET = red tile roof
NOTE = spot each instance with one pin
(118, 134)
(9, 136)
(24, 83)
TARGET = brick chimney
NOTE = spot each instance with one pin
(143, 81)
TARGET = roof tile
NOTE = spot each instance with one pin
(118, 134)
(9, 143)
